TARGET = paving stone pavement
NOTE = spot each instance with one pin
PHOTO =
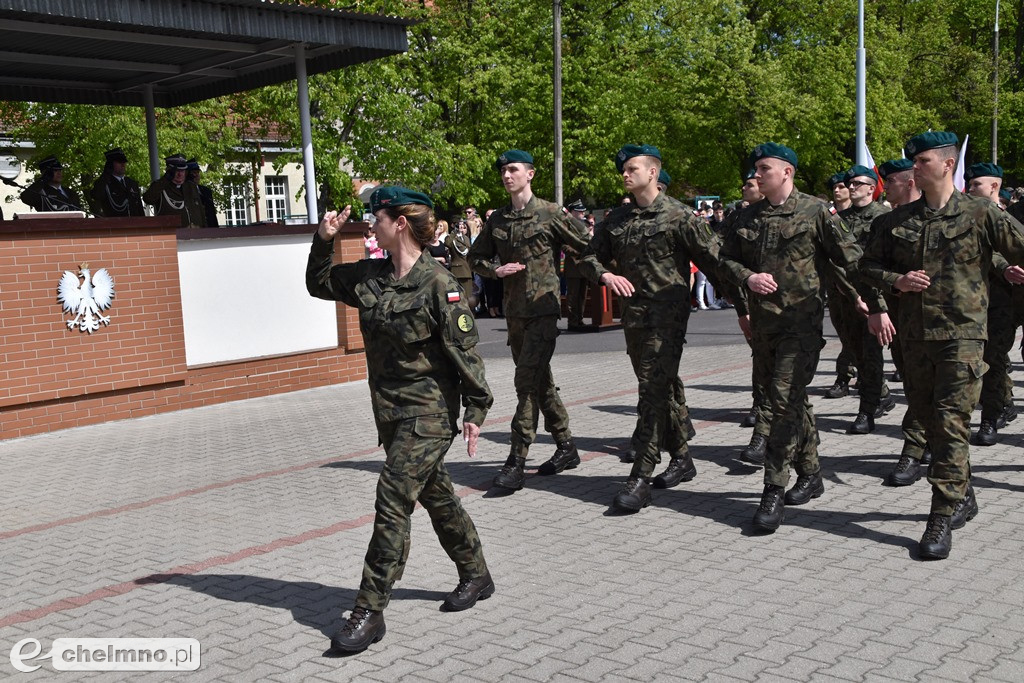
(244, 526)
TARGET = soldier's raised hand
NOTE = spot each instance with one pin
(332, 223)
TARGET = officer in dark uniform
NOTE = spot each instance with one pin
(420, 340)
(47, 193)
(575, 284)
(205, 194)
(114, 193)
(457, 242)
(173, 195)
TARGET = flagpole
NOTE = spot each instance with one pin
(861, 94)
(995, 88)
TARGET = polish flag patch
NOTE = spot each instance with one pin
(454, 297)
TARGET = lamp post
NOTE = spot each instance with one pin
(862, 157)
(558, 99)
(995, 87)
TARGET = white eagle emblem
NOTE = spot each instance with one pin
(87, 299)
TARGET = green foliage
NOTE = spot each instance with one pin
(704, 81)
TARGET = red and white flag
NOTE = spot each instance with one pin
(958, 175)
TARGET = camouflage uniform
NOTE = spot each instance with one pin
(867, 352)
(997, 387)
(533, 237)
(793, 242)
(575, 290)
(652, 247)
(944, 327)
(422, 364)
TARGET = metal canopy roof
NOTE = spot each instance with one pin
(108, 51)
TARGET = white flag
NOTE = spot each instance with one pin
(958, 175)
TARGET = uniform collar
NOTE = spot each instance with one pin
(659, 204)
(527, 211)
(413, 279)
(952, 208)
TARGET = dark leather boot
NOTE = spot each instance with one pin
(634, 496)
(938, 538)
(839, 389)
(906, 472)
(566, 457)
(807, 486)
(680, 468)
(987, 434)
(755, 452)
(363, 628)
(864, 424)
(512, 476)
(926, 459)
(772, 510)
(885, 404)
(1008, 415)
(750, 420)
(468, 592)
(965, 510)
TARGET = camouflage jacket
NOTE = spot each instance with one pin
(419, 334)
(652, 247)
(794, 243)
(954, 247)
(533, 237)
(859, 219)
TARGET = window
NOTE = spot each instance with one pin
(238, 204)
(277, 198)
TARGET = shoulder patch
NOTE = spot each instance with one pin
(465, 322)
(832, 210)
(454, 297)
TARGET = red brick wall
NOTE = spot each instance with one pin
(53, 378)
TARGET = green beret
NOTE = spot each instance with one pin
(983, 170)
(894, 166)
(629, 151)
(773, 150)
(749, 174)
(664, 178)
(859, 170)
(930, 140)
(513, 156)
(387, 196)
(836, 179)
(1005, 195)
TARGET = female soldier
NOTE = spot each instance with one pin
(419, 335)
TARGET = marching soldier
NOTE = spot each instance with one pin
(114, 193)
(575, 284)
(779, 251)
(527, 236)
(937, 251)
(651, 241)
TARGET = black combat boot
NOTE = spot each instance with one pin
(839, 389)
(750, 420)
(755, 452)
(363, 628)
(1008, 415)
(468, 592)
(906, 472)
(634, 496)
(680, 468)
(965, 510)
(864, 424)
(807, 486)
(987, 434)
(885, 404)
(926, 459)
(938, 538)
(512, 476)
(772, 510)
(566, 457)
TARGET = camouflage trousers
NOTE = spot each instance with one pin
(575, 299)
(679, 402)
(654, 353)
(786, 366)
(896, 349)
(846, 366)
(532, 341)
(997, 387)
(414, 472)
(865, 352)
(762, 403)
(943, 384)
